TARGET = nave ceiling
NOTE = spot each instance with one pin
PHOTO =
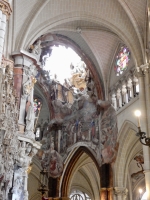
(98, 29)
(104, 26)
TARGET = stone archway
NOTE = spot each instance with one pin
(82, 173)
(49, 40)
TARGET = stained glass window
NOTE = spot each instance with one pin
(37, 106)
(122, 60)
(37, 133)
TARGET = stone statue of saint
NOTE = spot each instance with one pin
(37, 49)
(30, 120)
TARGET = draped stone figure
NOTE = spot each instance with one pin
(55, 164)
(109, 131)
(30, 121)
(37, 49)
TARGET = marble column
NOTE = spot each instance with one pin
(147, 157)
(144, 126)
(59, 138)
(24, 79)
(147, 183)
(110, 193)
(103, 194)
(5, 11)
(18, 75)
(2, 34)
(106, 174)
(25, 175)
(147, 98)
(146, 150)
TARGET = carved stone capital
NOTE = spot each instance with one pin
(122, 191)
(142, 70)
(110, 189)
(5, 8)
(103, 189)
(26, 60)
(144, 67)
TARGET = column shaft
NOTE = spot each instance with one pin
(18, 73)
(144, 128)
(104, 194)
(147, 102)
(2, 34)
(59, 137)
(110, 193)
(147, 182)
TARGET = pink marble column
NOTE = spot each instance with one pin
(18, 73)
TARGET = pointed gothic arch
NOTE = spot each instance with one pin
(72, 168)
(128, 145)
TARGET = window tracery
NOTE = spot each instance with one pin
(37, 105)
(79, 195)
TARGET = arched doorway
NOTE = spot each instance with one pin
(81, 178)
(79, 195)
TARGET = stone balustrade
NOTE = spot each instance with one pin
(124, 91)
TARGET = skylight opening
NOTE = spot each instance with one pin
(60, 61)
(144, 197)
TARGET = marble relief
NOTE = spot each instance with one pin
(17, 150)
(87, 121)
(79, 119)
(108, 123)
